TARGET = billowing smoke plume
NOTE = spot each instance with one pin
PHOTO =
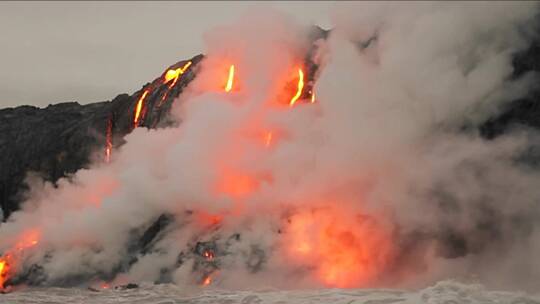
(377, 182)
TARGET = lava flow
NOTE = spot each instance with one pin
(9, 260)
(108, 143)
(139, 108)
(299, 89)
(4, 270)
(174, 75)
(230, 79)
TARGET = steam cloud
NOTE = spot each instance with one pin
(377, 177)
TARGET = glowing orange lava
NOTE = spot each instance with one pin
(312, 96)
(138, 109)
(108, 141)
(208, 255)
(173, 74)
(28, 239)
(4, 269)
(230, 79)
(347, 250)
(299, 88)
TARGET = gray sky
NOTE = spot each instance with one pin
(52, 52)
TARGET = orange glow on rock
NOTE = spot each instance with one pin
(138, 108)
(299, 89)
(230, 79)
(207, 280)
(208, 255)
(4, 269)
(312, 96)
(173, 74)
(108, 141)
(9, 259)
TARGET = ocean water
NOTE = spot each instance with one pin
(445, 292)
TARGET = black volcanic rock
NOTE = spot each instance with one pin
(59, 140)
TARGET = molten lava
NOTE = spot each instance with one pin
(312, 96)
(11, 257)
(108, 141)
(299, 89)
(208, 255)
(173, 75)
(230, 79)
(4, 269)
(139, 108)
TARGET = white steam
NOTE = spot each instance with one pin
(382, 141)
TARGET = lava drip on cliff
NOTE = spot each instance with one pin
(139, 109)
(171, 77)
(108, 140)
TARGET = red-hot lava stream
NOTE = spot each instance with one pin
(108, 141)
(299, 89)
(230, 79)
(10, 259)
(172, 76)
(139, 108)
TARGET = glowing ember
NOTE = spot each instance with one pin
(299, 88)
(229, 85)
(108, 141)
(208, 255)
(138, 109)
(207, 280)
(105, 285)
(312, 96)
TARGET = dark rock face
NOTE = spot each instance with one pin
(60, 139)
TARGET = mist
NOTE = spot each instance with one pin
(377, 183)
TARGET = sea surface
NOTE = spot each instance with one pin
(446, 292)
